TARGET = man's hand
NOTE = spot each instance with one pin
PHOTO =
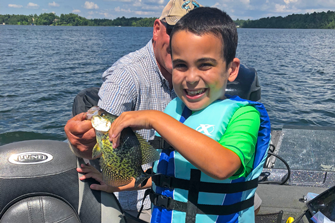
(81, 135)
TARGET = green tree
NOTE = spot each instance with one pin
(314, 20)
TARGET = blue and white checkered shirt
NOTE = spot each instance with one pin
(133, 83)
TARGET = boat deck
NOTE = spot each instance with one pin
(310, 156)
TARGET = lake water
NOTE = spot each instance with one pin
(42, 68)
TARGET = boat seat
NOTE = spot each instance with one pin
(39, 183)
(246, 86)
(28, 210)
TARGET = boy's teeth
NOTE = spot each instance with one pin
(190, 92)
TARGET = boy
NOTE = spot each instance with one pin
(219, 144)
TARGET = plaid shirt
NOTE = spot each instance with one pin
(133, 83)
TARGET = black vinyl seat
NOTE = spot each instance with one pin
(40, 208)
(246, 84)
(39, 183)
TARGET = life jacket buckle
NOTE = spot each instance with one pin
(165, 181)
(162, 201)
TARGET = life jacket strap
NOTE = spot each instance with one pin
(160, 143)
(162, 180)
(170, 204)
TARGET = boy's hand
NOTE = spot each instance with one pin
(91, 172)
(81, 135)
(134, 119)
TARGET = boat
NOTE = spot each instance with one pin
(39, 176)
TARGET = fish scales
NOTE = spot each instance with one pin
(119, 166)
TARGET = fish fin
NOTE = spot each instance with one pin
(149, 153)
(141, 180)
(96, 152)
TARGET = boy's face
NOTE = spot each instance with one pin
(199, 73)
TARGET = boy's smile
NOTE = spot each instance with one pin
(199, 74)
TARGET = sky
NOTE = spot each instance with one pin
(111, 9)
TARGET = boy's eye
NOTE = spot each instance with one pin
(205, 65)
(179, 66)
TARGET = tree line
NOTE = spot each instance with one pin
(50, 19)
(320, 20)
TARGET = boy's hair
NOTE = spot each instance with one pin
(206, 20)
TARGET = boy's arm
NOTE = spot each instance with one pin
(203, 152)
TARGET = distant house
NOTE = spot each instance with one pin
(3, 23)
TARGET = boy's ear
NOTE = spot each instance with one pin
(233, 70)
(157, 29)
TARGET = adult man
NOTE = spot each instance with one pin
(138, 81)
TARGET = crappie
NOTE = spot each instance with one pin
(120, 165)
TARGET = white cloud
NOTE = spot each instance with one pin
(120, 0)
(289, 1)
(280, 8)
(152, 8)
(118, 9)
(14, 6)
(142, 13)
(106, 15)
(91, 5)
(32, 5)
(137, 4)
(76, 11)
(53, 4)
(216, 5)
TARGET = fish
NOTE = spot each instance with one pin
(120, 165)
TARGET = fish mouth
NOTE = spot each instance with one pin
(100, 124)
(92, 112)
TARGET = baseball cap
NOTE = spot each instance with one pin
(176, 9)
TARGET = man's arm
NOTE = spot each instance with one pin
(81, 136)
